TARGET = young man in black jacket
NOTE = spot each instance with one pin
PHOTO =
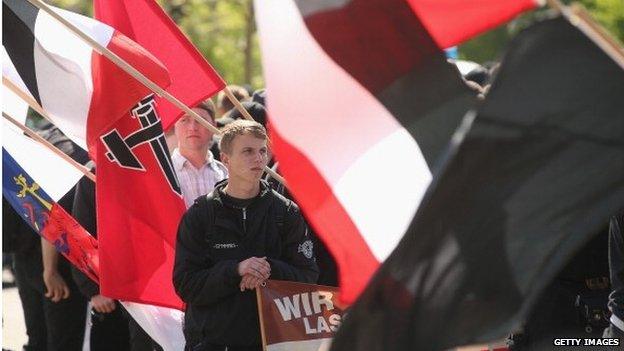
(234, 239)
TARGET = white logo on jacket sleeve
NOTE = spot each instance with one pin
(306, 248)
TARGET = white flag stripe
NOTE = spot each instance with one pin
(375, 167)
(70, 61)
(9, 72)
(50, 171)
(13, 105)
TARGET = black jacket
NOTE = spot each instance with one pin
(213, 237)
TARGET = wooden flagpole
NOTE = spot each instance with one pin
(237, 103)
(48, 145)
(138, 75)
(27, 98)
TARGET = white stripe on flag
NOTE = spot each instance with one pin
(13, 105)
(51, 172)
(382, 190)
(373, 165)
(63, 69)
(9, 98)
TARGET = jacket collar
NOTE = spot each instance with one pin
(262, 197)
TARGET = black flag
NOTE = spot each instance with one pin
(538, 172)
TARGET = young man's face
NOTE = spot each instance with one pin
(247, 158)
(190, 134)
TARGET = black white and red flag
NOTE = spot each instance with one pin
(362, 103)
(105, 109)
(528, 179)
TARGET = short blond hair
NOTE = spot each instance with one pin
(240, 127)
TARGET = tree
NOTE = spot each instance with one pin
(222, 30)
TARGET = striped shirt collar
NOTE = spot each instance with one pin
(180, 161)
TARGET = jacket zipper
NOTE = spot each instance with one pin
(245, 220)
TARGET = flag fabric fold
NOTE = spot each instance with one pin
(192, 78)
(82, 91)
(379, 93)
(538, 173)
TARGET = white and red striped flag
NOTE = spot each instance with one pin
(373, 85)
(99, 105)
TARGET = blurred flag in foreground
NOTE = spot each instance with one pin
(367, 79)
(528, 179)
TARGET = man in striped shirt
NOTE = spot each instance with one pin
(195, 165)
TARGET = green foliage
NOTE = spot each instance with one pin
(219, 29)
(222, 30)
(488, 46)
(609, 13)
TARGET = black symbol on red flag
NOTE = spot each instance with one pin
(151, 132)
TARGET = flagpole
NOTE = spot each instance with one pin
(237, 103)
(27, 98)
(48, 145)
(121, 63)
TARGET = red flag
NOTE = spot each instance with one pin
(138, 198)
(192, 78)
(139, 205)
(451, 22)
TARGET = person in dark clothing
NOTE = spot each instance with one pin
(234, 239)
(616, 269)
(574, 304)
(50, 324)
(53, 308)
(112, 328)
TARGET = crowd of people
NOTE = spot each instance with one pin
(242, 228)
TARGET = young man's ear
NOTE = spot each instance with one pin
(224, 158)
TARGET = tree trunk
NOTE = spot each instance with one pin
(251, 28)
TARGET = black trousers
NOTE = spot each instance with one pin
(118, 331)
(50, 326)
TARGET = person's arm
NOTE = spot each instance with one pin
(298, 262)
(196, 277)
(56, 288)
